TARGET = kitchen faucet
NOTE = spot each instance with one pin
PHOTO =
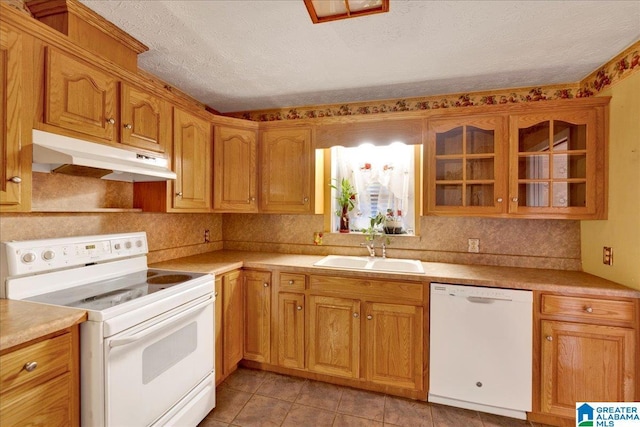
(372, 251)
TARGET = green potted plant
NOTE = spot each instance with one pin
(346, 201)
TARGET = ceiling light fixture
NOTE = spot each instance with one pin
(331, 10)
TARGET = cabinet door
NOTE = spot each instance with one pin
(192, 162)
(234, 183)
(145, 120)
(80, 98)
(257, 309)
(287, 170)
(232, 321)
(553, 164)
(334, 336)
(467, 161)
(10, 116)
(393, 336)
(291, 330)
(219, 335)
(585, 363)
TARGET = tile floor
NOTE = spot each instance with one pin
(256, 398)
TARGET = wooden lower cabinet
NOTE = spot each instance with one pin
(257, 322)
(229, 323)
(48, 394)
(334, 336)
(393, 342)
(291, 330)
(585, 363)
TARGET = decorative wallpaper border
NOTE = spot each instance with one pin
(618, 68)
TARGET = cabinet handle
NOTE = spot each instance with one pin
(15, 179)
(128, 126)
(514, 199)
(356, 315)
(30, 366)
(265, 284)
(179, 194)
(299, 308)
(369, 317)
(588, 309)
(499, 199)
(549, 338)
(111, 121)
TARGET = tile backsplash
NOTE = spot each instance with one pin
(553, 244)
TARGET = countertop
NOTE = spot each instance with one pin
(219, 262)
(23, 321)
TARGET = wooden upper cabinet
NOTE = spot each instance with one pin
(466, 158)
(144, 120)
(80, 98)
(192, 162)
(235, 175)
(558, 164)
(287, 170)
(10, 115)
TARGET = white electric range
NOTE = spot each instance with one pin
(147, 348)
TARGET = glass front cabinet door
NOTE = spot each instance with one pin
(467, 165)
(554, 165)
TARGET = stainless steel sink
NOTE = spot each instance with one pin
(371, 264)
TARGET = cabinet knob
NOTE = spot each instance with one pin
(30, 366)
(549, 338)
(356, 315)
(299, 308)
(369, 317)
(128, 126)
(179, 194)
(306, 199)
(291, 282)
(499, 199)
(514, 199)
(15, 179)
(111, 121)
(265, 284)
(588, 309)
(252, 199)
(216, 293)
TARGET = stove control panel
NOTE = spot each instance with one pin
(33, 256)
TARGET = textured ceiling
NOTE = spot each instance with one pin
(247, 55)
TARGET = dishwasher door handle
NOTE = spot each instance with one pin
(485, 300)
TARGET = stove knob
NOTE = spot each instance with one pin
(127, 245)
(28, 257)
(48, 255)
(117, 246)
(138, 243)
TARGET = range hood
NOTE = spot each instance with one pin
(60, 154)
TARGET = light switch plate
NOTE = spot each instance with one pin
(474, 245)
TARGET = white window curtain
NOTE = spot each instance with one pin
(383, 177)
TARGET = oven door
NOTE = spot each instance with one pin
(151, 367)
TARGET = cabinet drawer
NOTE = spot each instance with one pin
(53, 357)
(401, 291)
(45, 404)
(588, 308)
(292, 282)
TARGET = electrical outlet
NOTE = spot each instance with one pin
(607, 255)
(207, 236)
(474, 245)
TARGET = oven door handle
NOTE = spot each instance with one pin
(158, 326)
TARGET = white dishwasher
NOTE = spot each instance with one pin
(481, 348)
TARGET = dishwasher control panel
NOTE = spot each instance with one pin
(480, 292)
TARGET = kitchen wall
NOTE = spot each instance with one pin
(551, 244)
(621, 230)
